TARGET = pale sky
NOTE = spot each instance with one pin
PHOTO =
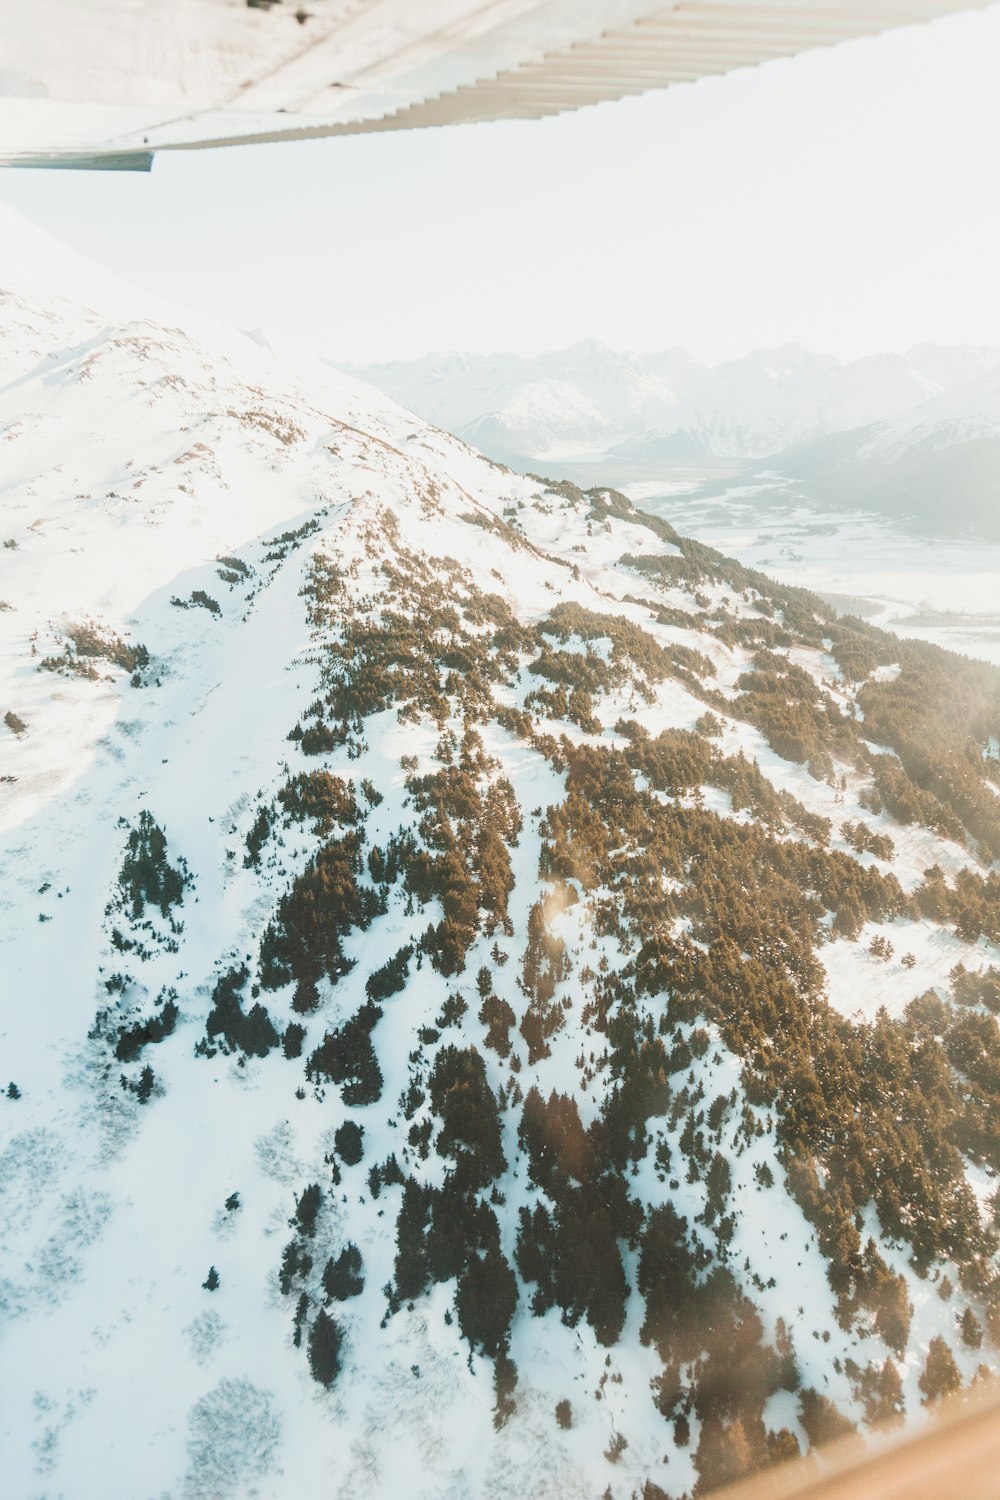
(846, 200)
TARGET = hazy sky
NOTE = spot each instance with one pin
(846, 199)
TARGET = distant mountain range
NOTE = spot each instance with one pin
(589, 401)
(937, 464)
(915, 434)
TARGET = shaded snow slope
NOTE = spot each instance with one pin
(937, 464)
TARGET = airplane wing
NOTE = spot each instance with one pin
(956, 1456)
(107, 83)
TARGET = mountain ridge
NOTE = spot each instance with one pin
(750, 407)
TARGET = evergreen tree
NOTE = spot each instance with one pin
(485, 1302)
(325, 902)
(146, 874)
(666, 1278)
(342, 1277)
(971, 1329)
(822, 1421)
(782, 1446)
(498, 1017)
(883, 1396)
(412, 1271)
(348, 1139)
(459, 1225)
(348, 1058)
(325, 1340)
(940, 1377)
(252, 1033)
(301, 1314)
(295, 1262)
(307, 1207)
(556, 1143)
(306, 996)
(504, 1386)
(291, 1042)
(470, 1120)
(724, 1454)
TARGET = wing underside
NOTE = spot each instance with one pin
(107, 83)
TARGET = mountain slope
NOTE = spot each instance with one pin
(445, 925)
(937, 464)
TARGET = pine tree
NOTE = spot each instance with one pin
(411, 1270)
(342, 1277)
(291, 1042)
(325, 1340)
(470, 1120)
(306, 996)
(724, 1454)
(485, 1302)
(348, 1140)
(971, 1329)
(782, 1446)
(301, 1313)
(307, 1207)
(211, 1282)
(295, 1262)
(888, 1406)
(348, 1057)
(821, 1419)
(941, 1376)
(666, 1276)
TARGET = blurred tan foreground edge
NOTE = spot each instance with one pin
(955, 1457)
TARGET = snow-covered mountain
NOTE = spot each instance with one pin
(579, 401)
(588, 401)
(938, 463)
(497, 999)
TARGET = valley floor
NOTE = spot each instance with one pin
(922, 587)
